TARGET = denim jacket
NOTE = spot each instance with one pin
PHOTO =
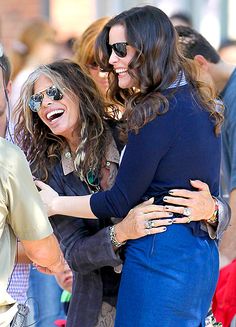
(88, 250)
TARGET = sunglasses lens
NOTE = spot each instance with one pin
(120, 49)
(36, 99)
(54, 93)
(93, 65)
(35, 102)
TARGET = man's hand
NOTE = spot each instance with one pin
(55, 268)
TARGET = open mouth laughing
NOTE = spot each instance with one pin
(54, 114)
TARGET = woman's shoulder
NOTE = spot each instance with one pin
(184, 97)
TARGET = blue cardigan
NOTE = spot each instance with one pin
(166, 153)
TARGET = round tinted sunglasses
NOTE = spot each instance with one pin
(120, 49)
(36, 99)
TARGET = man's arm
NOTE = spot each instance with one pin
(26, 215)
(21, 256)
(45, 253)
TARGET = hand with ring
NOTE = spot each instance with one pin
(144, 219)
(192, 205)
(187, 213)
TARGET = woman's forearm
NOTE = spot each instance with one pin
(76, 206)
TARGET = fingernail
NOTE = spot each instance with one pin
(165, 198)
(171, 192)
(174, 220)
(170, 221)
(170, 214)
(164, 228)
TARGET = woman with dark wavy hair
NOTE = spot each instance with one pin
(168, 279)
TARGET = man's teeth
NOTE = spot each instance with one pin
(54, 112)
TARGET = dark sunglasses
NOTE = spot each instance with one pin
(36, 99)
(119, 48)
(92, 65)
(95, 66)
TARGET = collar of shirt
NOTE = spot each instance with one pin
(180, 81)
(67, 160)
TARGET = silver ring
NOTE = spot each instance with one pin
(148, 231)
(149, 224)
(187, 211)
(189, 219)
(152, 223)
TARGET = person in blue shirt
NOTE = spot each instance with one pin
(172, 137)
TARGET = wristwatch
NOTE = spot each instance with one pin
(214, 218)
(114, 241)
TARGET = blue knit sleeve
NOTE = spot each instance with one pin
(138, 167)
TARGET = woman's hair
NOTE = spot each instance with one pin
(156, 64)
(34, 32)
(84, 55)
(84, 46)
(40, 145)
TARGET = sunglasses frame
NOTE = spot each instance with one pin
(95, 66)
(35, 105)
(114, 46)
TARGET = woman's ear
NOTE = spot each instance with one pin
(202, 62)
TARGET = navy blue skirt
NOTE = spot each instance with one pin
(168, 280)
